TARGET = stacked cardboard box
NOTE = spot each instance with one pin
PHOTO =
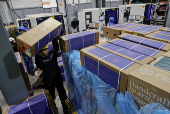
(162, 36)
(60, 64)
(112, 68)
(33, 40)
(146, 42)
(94, 25)
(23, 70)
(149, 84)
(38, 80)
(39, 104)
(165, 29)
(115, 30)
(146, 30)
(78, 41)
(138, 48)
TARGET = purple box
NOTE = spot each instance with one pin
(164, 33)
(124, 44)
(80, 40)
(125, 26)
(149, 29)
(103, 72)
(111, 47)
(145, 42)
(161, 36)
(60, 64)
(115, 25)
(132, 38)
(34, 105)
(132, 54)
(137, 27)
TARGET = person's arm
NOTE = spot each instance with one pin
(39, 61)
(55, 45)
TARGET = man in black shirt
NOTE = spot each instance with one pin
(47, 62)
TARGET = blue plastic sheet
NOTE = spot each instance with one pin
(91, 95)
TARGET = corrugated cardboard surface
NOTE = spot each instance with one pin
(24, 74)
(146, 42)
(158, 37)
(50, 100)
(109, 72)
(128, 54)
(165, 29)
(149, 84)
(167, 54)
(38, 36)
(64, 42)
(94, 25)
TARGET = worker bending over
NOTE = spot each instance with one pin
(111, 21)
(47, 62)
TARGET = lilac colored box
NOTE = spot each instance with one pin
(132, 54)
(124, 44)
(137, 28)
(16, 55)
(145, 42)
(111, 47)
(165, 33)
(38, 103)
(149, 29)
(103, 72)
(161, 36)
(80, 40)
(132, 38)
(144, 50)
(21, 108)
(60, 64)
(125, 26)
(115, 25)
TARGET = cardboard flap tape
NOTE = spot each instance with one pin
(33, 40)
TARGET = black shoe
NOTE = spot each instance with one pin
(33, 74)
(65, 108)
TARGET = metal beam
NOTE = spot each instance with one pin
(11, 81)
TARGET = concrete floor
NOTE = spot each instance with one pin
(3, 103)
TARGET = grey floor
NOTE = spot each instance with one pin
(3, 103)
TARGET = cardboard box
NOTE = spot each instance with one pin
(167, 54)
(132, 29)
(113, 69)
(162, 62)
(94, 25)
(149, 84)
(165, 29)
(39, 104)
(36, 38)
(10, 26)
(59, 59)
(138, 48)
(24, 73)
(159, 37)
(148, 30)
(126, 53)
(114, 32)
(146, 42)
(78, 41)
(38, 80)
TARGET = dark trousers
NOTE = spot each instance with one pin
(58, 83)
(28, 63)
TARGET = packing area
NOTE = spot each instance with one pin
(123, 68)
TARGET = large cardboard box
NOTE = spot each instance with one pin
(149, 84)
(94, 25)
(159, 37)
(146, 42)
(126, 53)
(113, 69)
(167, 54)
(78, 41)
(36, 38)
(132, 29)
(138, 48)
(22, 68)
(39, 104)
(165, 29)
(38, 80)
(148, 30)
(114, 32)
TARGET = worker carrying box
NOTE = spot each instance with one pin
(36, 38)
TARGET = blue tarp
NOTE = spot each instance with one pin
(91, 95)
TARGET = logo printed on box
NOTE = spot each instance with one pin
(146, 71)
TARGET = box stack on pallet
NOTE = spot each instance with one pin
(127, 62)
